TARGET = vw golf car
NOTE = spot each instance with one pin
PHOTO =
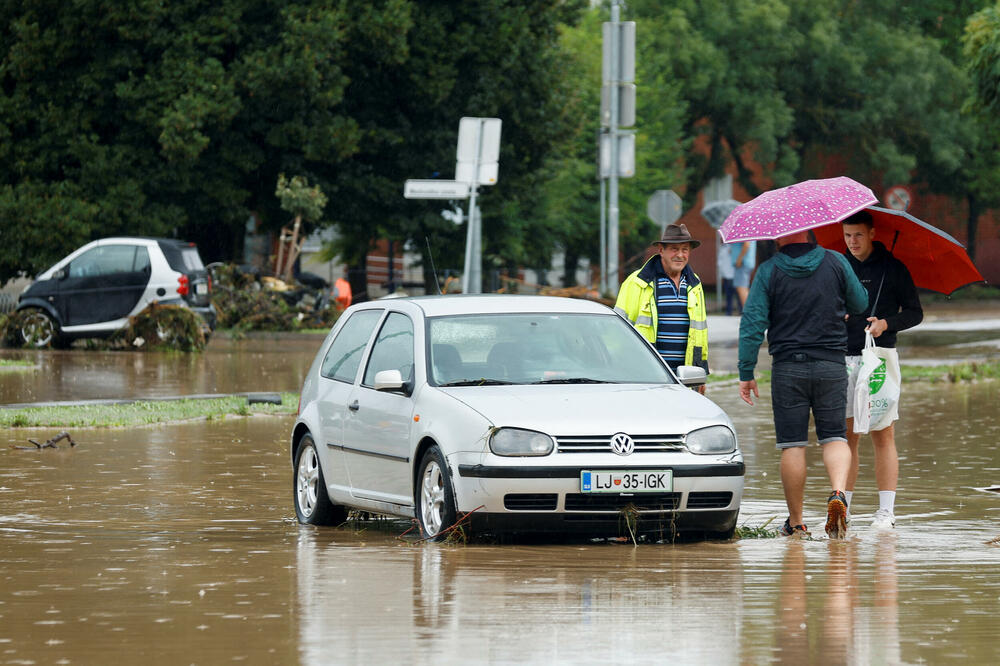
(510, 414)
(93, 291)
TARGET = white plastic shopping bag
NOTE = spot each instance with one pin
(877, 390)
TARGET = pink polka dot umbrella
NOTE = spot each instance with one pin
(798, 207)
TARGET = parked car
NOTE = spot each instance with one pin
(514, 414)
(93, 291)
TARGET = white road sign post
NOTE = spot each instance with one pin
(476, 163)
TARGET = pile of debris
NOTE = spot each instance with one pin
(247, 301)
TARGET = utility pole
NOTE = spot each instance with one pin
(617, 146)
(616, 44)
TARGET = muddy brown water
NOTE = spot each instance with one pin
(178, 544)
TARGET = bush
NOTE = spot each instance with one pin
(160, 327)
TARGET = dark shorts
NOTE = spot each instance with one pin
(800, 385)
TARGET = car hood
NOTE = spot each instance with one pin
(593, 409)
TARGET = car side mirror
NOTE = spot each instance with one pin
(60, 274)
(390, 380)
(692, 376)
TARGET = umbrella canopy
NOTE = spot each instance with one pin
(788, 210)
(936, 260)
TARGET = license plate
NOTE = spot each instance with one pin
(626, 481)
(201, 289)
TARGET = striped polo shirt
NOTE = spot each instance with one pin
(672, 321)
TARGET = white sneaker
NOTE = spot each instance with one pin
(883, 520)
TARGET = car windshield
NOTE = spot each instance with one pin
(547, 348)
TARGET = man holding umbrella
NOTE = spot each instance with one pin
(893, 306)
(801, 297)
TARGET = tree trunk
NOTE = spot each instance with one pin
(357, 275)
(972, 225)
(572, 260)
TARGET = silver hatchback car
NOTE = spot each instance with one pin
(510, 414)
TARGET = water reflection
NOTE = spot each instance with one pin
(178, 544)
(432, 603)
(275, 362)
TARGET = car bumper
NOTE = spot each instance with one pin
(704, 497)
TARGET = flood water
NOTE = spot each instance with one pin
(178, 544)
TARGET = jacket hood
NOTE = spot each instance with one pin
(648, 272)
(802, 265)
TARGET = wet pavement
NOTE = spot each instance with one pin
(178, 544)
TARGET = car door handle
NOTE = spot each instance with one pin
(354, 406)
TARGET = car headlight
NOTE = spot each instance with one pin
(714, 439)
(518, 442)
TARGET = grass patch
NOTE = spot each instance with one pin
(141, 413)
(15, 364)
(758, 532)
(961, 372)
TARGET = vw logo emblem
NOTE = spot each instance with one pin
(622, 444)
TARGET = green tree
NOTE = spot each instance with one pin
(170, 118)
(982, 52)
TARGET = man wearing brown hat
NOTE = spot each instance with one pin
(665, 301)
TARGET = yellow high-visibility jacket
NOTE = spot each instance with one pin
(637, 303)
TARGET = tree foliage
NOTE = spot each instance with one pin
(176, 118)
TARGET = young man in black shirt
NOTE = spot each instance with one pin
(893, 306)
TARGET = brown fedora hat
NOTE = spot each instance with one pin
(677, 233)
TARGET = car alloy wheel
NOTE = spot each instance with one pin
(37, 328)
(435, 501)
(312, 504)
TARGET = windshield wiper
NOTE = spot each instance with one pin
(574, 380)
(476, 382)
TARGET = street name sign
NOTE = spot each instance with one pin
(435, 189)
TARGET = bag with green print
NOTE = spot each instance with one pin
(877, 390)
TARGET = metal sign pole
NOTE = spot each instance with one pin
(612, 274)
(604, 238)
(472, 275)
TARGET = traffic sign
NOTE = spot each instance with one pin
(898, 198)
(626, 104)
(626, 51)
(436, 189)
(664, 207)
(478, 152)
(626, 155)
(716, 212)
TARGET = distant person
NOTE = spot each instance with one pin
(895, 306)
(744, 256)
(801, 296)
(724, 269)
(665, 301)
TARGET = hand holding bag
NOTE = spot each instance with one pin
(876, 392)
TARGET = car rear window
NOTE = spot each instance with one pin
(182, 258)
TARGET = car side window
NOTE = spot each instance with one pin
(344, 356)
(141, 263)
(105, 260)
(393, 349)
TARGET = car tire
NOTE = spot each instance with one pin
(312, 503)
(38, 328)
(434, 496)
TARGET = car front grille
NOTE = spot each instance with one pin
(714, 500)
(613, 502)
(602, 443)
(530, 502)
